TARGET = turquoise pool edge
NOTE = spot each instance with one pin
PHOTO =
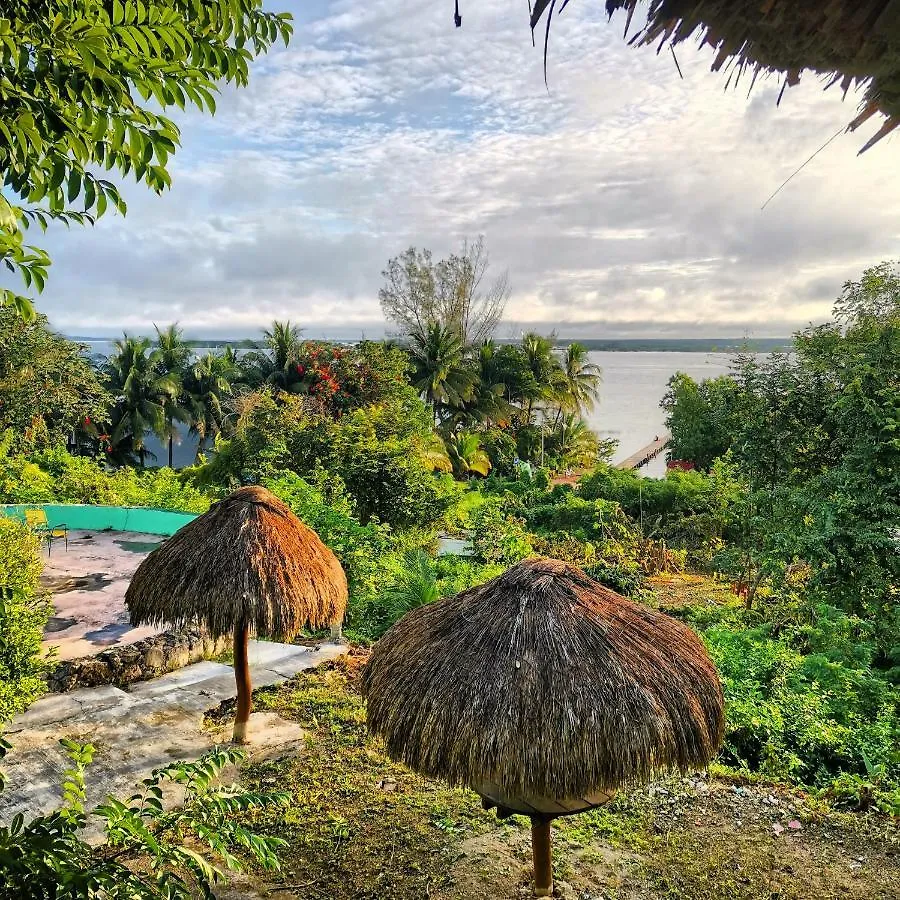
(87, 517)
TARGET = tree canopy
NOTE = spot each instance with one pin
(84, 86)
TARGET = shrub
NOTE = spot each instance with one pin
(55, 476)
(498, 538)
(802, 716)
(23, 615)
(48, 856)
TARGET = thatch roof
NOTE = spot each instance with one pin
(544, 683)
(248, 557)
(848, 41)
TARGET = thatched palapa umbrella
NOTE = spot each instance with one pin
(247, 564)
(544, 692)
(849, 42)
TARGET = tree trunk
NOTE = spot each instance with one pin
(170, 451)
(540, 849)
(242, 679)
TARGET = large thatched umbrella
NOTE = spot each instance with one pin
(545, 692)
(848, 41)
(248, 564)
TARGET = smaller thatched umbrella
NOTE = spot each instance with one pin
(544, 692)
(247, 564)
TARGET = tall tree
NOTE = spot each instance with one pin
(48, 387)
(207, 383)
(85, 87)
(580, 385)
(141, 392)
(171, 357)
(418, 291)
(440, 371)
(275, 359)
(544, 368)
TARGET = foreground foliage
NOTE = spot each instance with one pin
(149, 852)
(23, 615)
(87, 86)
(361, 826)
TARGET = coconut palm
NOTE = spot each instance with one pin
(206, 385)
(467, 455)
(439, 368)
(544, 370)
(142, 393)
(572, 442)
(274, 359)
(489, 403)
(581, 380)
(171, 356)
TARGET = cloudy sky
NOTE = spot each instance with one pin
(623, 202)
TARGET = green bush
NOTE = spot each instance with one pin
(802, 716)
(55, 476)
(23, 615)
(498, 538)
(176, 850)
(364, 550)
(378, 453)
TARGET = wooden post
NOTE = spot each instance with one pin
(242, 680)
(540, 849)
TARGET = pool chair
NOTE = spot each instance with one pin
(36, 520)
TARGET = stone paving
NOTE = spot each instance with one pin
(88, 583)
(137, 730)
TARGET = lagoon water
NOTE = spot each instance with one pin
(633, 384)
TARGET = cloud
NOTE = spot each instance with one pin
(622, 199)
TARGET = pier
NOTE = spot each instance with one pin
(645, 454)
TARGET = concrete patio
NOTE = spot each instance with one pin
(135, 731)
(88, 583)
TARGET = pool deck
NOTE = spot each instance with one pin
(149, 725)
(88, 583)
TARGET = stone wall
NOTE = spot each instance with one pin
(139, 661)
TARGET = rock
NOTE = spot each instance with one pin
(154, 658)
(141, 660)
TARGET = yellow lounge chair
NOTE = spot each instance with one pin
(36, 520)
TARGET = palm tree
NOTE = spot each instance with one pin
(171, 357)
(440, 371)
(581, 386)
(275, 358)
(573, 443)
(489, 403)
(544, 368)
(208, 381)
(466, 454)
(141, 391)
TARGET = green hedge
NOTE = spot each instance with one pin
(23, 615)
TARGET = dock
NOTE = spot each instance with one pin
(645, 454)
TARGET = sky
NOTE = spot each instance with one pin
(622, 200)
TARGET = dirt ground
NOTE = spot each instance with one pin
(363, 827)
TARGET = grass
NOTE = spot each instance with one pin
(362, 827)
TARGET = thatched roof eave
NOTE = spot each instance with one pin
(849, 42)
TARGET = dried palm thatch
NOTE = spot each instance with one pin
(849, 41)
(545, 683)
(544, 691)
(247, 564)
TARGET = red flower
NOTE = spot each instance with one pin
(300, 370)
(87, 420)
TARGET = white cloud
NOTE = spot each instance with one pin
(623, 198)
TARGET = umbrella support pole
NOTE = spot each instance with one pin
(540, 848)
(242, 681)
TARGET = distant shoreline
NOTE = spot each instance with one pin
(635, 345)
